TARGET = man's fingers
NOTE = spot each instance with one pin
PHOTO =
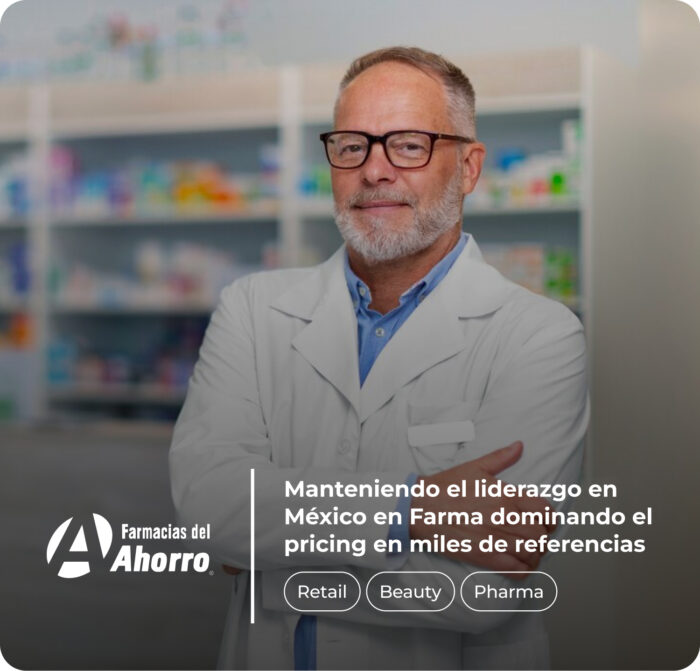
(511, 555)
(498, 460)
(491, 561)
(516, 547)
(537, 505)
(497, 561)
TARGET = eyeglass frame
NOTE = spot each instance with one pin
(382, 140)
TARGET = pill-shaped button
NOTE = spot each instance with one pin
(322, 591)
(410, 591)
(488, 591)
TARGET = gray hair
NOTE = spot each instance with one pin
(458, 89)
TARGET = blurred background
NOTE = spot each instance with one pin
(153, 151)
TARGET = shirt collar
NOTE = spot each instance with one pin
(362, 297)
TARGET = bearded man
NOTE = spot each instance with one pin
(404, 358)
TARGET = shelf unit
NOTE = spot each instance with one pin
(323, 208)
(266, 211)
(288, 106)
(122, 394)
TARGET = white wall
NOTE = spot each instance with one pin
(647, 340)
(640, 611)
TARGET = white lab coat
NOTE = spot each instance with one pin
(277, 388)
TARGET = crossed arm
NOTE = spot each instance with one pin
(538, 398)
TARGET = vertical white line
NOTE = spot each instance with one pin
(252, 546)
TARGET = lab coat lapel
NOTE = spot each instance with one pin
(433, 332)
(430, 335)
(329, 341)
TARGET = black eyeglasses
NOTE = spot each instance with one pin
(404, 148)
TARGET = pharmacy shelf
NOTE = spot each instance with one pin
(117, 393)
(563, 102)
(316, 207)
(10, 132)
(13, 224)
(183, 308)
(535, 104)
(555, 207)
(8, 306)
(83, 129)
(248, 100)
(267, 210)
(323, 208)
(575, 304)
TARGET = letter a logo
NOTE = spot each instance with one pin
(68, 546)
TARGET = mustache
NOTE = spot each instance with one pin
(391, 195)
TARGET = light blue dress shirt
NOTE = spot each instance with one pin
(374, 330)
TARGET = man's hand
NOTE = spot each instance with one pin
(485, 467)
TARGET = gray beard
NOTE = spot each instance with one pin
(376, 243)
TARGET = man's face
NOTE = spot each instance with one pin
(385, 212)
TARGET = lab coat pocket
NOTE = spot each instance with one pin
(437, 432)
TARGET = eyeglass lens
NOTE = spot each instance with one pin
(404, 150)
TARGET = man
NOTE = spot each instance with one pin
(402, 356)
